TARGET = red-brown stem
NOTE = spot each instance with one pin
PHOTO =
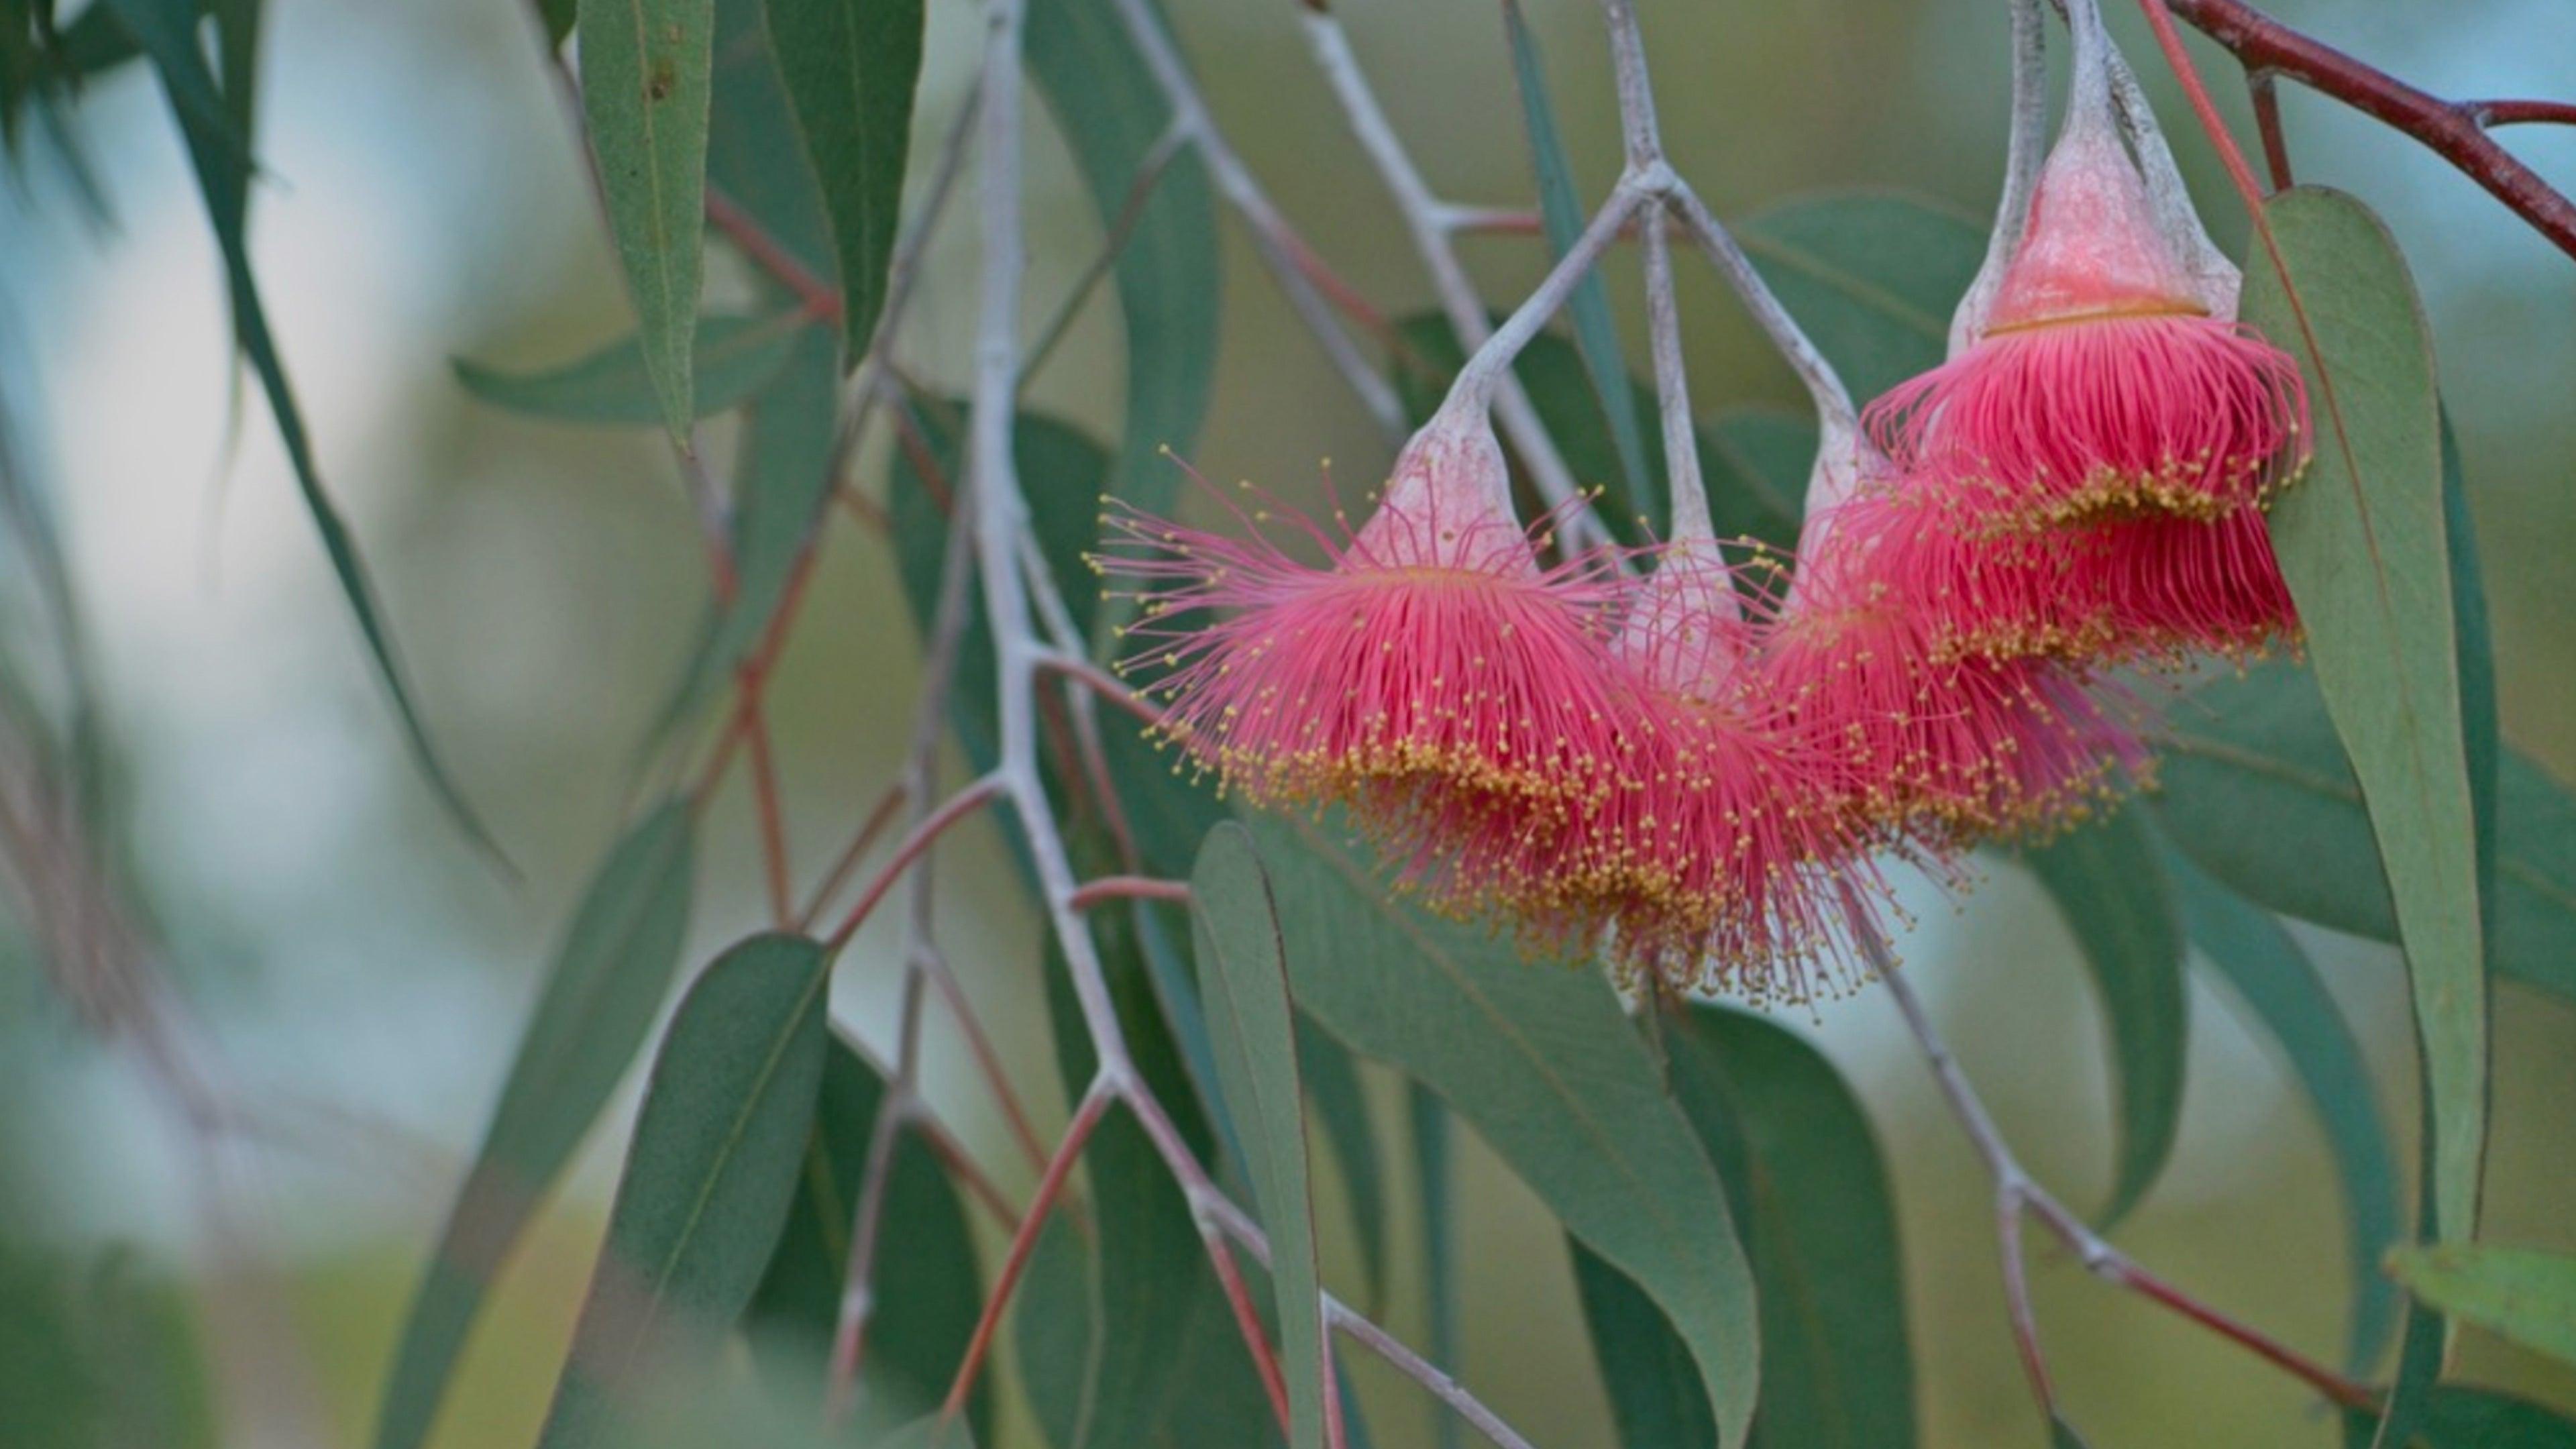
(2334, 1386)
(839, 875)
(989, 1062)
(763, 658)
(1129, 888)
(960, 805)
(2456, 132)
(2017, 1306)
(822, 301)
(2266, 97)
(764, 794)
(1247, 1320)
(2521, 113)
(863, 508)
(964, 1168)
(1086, 1117)
(867, 1221)
(1107, 686)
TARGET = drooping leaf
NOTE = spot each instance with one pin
(708, 1181)
(1243, 976)
(925, 1290)
(1804, 1179)
(1596, 333)
(735, 356)
(2256, 790)
(1112, 114)
(647, 76)
(934, 1432)
(1543, 1061)
(1334, 1089)
(755, 158)
(850, 68)
(167, 31)
(1056, 1325)
(2459, 1417)
(1430, 1123)
(2528, 1297)
(1871, 276)
(2281, 988)
(2362, 544)
(600, 997)
(2482, 744)
(2109, 886)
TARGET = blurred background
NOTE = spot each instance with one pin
(353, 978)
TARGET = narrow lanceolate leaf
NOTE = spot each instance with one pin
(708, 1181)
(2276, 982)
(937, 1431)
(1561, 211)
(166, 29)
(1803, 1175)
(2525, 1296)
(600, 997)
(926, 1289)
(2107, 883)
(2362, 544)
(1112, 114)
(850, 68)
(1871, 276)
(755, 159)
(735, 356)
(1243, 977)
(646, 78)
(1543, 1060)
(1340, 1101)
(2458, 1417)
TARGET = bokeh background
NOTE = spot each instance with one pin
(356, 977)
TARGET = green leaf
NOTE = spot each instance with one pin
(934, 1432)
(1056, 1325)
(850, 68)
(1430, 1132)
(167, 31)
(709, 1179)
(1803, 1176)
(2362, 544)
(607, 981)
(736, 356)
(1243, 976)
(1596, 333)
(2277, 983)
(558, 17)
(926, 1289)
(1334, 1090)
(2528, 1297)
(1871, 276)
(2107, 884)
(2062, 1435)
(755, 157)
(2256, 790)
(647, 77)
(2458, 1417)
(1112, 114)
(1544, 1062)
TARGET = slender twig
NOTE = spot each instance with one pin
(2454, 131)
(1104, 685)
(2265, 95)
(1086, 1117)
(1128, 888)
(1432, 223)
(820, 298)
(1290, 261)
(960, 805)
(867, 1219)
(874, 825)
(1149, 172)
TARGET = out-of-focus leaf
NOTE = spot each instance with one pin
(1596, 333)
(850, 68)
(1803, 1175)
(1872, 277)
(736, 355)
(606, 984)
(2062, 1435)
(2256, 790)
(1430, 1132)
(647, 78)
(1056, 1325)
(755, 158)
(1243, 977)
(2525, 1296)
(2459, 1417)
(1112, 115)
(2275, 980)
(926, 1289)
(166, 29)
(2362, 544)
(2480, 732)
(2108, 885)
(1756, 461)
(1544, 1062)
(1167, 1368)
(1341, 1108)
(708, 1180)
(933, 1432)
(558, 16)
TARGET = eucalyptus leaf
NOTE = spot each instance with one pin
(606, 984)
(755, 155)
(647, 73)
(1871, 276)
(2362, 544)
(1334, 1090)
(709, 1179)
(2456, 1416)
(851, 67)
(2515, 1293)
(735, 356)
(2108, 885)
